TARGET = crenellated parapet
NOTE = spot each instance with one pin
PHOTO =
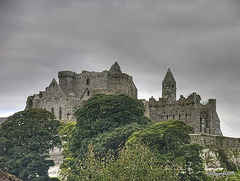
(203, 118)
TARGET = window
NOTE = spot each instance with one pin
(88, 93)
(60, 113)
(88, 81)
(202, 124)
(172, 85)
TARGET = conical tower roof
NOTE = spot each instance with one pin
(115, 68)
(169, 77)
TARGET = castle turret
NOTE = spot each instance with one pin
(169, 87)
(66, 79)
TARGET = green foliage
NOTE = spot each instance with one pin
(134, 163)
(192, 166)
(115, 139)
(25, 141)
(170, 141)
(101, 114)
(163, 137)
(65, 131)
(106, 121)
(225, 162)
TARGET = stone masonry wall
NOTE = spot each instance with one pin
(219, 152)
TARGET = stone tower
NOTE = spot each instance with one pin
(73, 89)
(202, 117)
(169, 87)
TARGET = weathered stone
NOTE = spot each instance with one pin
(214, 144)
(73, 89)
(202, 117)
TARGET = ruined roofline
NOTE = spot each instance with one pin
(115, 68)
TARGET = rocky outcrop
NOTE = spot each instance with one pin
(8, 177)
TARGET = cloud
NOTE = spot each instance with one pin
(198, 40)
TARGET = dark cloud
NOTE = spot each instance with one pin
(198, 40)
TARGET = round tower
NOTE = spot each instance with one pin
(169, 87)
(66, 81)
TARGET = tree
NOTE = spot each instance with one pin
(102, 114)
(114, 140)
(106, 121)
(65, 131)
(133, 163)
(170, 140)
(25, 141)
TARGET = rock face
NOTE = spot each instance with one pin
(220, 152)
(73, 89)
(57, 157)
(202, 117)
(8, 177)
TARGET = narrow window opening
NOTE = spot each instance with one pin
(167, 117)
(52, 110)
(179, 117)
(173, 116)
(60, 113)
(88, 93)
(88, 81)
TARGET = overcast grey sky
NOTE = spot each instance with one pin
(198, 39)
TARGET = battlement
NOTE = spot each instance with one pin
(202, 117)
(66, 73)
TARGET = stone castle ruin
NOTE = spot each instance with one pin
(202, 117)
(65, 97)
(73, 89)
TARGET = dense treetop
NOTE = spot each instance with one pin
(25, 141)
(102, 114)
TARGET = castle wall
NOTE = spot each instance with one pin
(187, 110)
(209, 118)
(54, 100)
(215, 141)
(65, 98)
(213, 146)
